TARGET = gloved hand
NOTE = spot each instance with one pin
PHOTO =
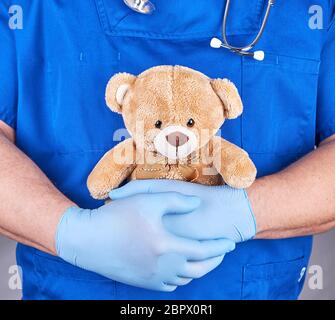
(224, 212)
(126, 241)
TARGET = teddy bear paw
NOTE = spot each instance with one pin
(98, 188)
(242, 174)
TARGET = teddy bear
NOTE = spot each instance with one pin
(173, 114)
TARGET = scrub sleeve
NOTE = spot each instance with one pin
(8, 69)
(325, 118)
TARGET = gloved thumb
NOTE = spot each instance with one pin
(175, 203)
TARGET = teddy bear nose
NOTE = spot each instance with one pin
(177, 138)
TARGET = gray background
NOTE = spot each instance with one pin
(323, 255)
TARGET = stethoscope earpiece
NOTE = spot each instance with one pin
(257, 55)
(216, 43)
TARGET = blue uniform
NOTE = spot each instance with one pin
(53, 75)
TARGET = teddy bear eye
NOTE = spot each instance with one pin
(190, 122)
(158, 124)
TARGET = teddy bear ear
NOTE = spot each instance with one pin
(228, 94)
(116, 90)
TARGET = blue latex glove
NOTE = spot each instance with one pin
(224, 212)
(126, 241)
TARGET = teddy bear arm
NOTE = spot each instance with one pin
(233, 164)
(114, 167)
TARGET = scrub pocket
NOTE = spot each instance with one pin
(60, 280)
(274, 281)
(81, 120)
(166, 23)
(279, 96)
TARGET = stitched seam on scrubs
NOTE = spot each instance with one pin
(311, 65)
(299, 64)
(158, 36)
(170, 36)
(116, 25)
(272, 270)
(102, 15)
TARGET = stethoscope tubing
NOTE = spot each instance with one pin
(244, 50)
(147, 7)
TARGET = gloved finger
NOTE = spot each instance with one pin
(179, 281)
(197, 269)
(175, 203)
(167, 287)
(190, 226)
(149, 186)
(195, 250)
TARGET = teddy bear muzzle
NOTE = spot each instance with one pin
(176, 142)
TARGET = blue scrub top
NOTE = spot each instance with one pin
(53, 75)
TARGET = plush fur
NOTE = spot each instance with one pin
(172, 95)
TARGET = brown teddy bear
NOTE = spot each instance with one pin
(173, 114)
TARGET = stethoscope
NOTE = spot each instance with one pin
(146, 7)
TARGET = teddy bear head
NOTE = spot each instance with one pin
(172, 110)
